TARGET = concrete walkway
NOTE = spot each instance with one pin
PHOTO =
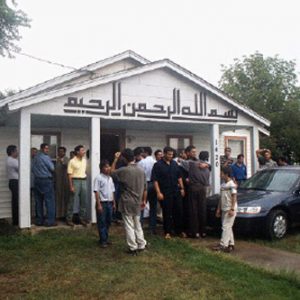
(258, 255)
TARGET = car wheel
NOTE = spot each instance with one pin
(277, 224)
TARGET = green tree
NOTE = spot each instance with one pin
(268, 85)
(8, 92)
(10, 21)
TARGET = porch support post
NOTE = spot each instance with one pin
(254, 147)
(215, 158)
(95, 160)
(24, 169)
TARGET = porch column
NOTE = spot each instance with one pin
(215, 158)
(95, 160)
(24, 169)
(254, 147)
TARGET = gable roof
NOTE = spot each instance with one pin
(19, 102)
(74, 75)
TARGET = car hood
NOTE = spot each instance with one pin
(259, 198)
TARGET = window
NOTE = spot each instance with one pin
(179, 142)
(53, 139)
(237, 144)
(272, 180)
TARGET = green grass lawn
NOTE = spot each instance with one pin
(66, 264)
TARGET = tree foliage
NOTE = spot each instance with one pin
(8, 92)
(10, 21)
(268, 85)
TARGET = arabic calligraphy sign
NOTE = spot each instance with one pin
(174, 110)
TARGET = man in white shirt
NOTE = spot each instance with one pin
(12, 167)
(147, 165)
(104, 189)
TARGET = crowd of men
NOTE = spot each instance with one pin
(178, 184)
(59, 186)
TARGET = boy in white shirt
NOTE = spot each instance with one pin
(227, 208)
(104, 189)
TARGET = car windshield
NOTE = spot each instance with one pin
(272, 180)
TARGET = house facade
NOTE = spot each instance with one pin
(123, 101)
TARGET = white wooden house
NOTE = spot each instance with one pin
(123, 101)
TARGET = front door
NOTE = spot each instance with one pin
(111, 142)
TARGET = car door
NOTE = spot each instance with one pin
(294, 205)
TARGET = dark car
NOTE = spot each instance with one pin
(268, 202)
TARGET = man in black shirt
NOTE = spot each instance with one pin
(169, 188)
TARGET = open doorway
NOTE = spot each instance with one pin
(112, 141)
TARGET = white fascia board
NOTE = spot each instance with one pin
(121, 56)
(73, 75)
(133, 72)
(264, 131)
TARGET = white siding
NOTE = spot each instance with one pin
(7, 136)
(70, 138)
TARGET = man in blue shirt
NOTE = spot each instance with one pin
(239, 170)
(42, 169)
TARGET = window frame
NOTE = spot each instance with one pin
(178, 136)
(46, 132)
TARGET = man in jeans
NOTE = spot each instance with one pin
(77, 182)
(43, 168)
(12, 167)
(104, 189)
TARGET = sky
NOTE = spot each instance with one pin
(198, 35)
